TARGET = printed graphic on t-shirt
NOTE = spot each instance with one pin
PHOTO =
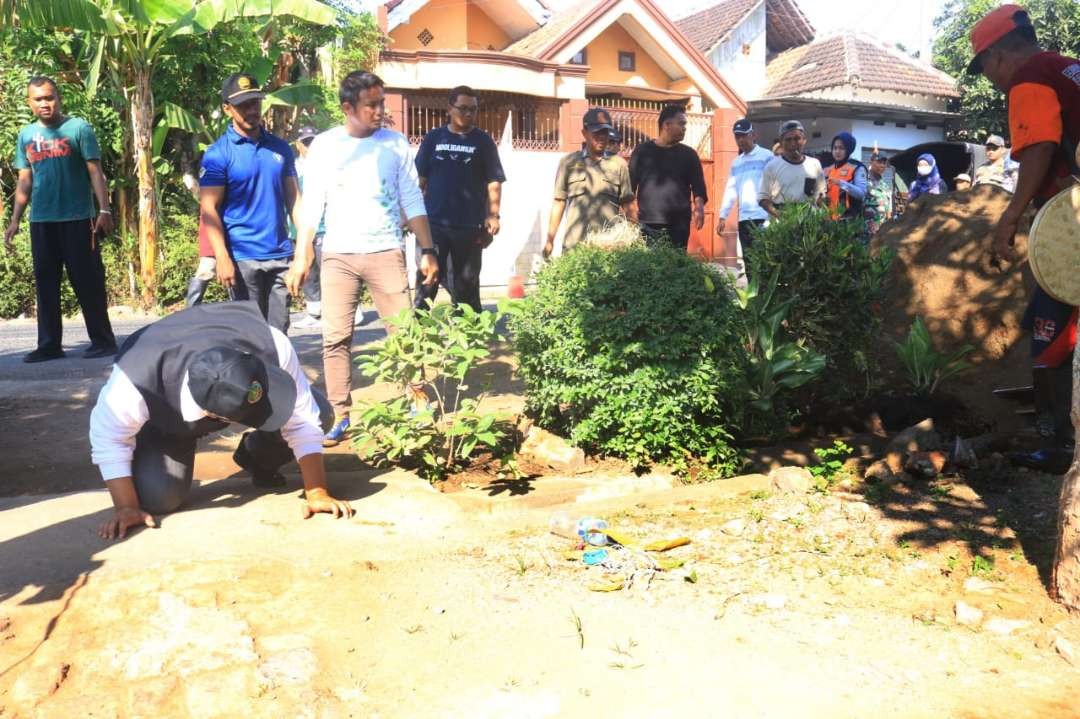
(451, 151)
(1044, 330)
(39, 148)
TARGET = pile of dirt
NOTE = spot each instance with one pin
(943, 272)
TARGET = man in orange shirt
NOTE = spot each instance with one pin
(1043, 91)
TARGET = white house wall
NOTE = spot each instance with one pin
(744, 72)
(526, 203)
(887, 136)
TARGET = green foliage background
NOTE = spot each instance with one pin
(634, 353)
(188, 75)
(1057, 24)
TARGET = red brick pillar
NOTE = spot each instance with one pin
(724, 153)
(571, 113)
(395, 112)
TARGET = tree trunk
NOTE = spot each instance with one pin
(1065, 583)
(142, 115)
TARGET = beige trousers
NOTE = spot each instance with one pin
(342, 281)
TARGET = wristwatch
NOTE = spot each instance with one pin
(428, 251)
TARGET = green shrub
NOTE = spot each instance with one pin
(437, 347)
(926, 368)
(635, 353)
(837, 282)
(776, 364)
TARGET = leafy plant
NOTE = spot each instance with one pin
(438, 349)
(635, 352)
(830, 464)
(836, 280)
(774, 365)
(926, 368)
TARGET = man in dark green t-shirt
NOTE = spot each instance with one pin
(59, 164)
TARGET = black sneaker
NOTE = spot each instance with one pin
(95, 351)
(40, 355)
(261, 478)
(1051, 461)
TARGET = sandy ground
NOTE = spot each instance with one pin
(429, 604)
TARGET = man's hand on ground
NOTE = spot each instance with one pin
(317, 501)
(226, 272)
(429, 268)
(124, 519)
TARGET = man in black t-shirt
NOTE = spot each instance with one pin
(666, 176)
(461, 176)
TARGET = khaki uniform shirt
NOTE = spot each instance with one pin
(594, 190)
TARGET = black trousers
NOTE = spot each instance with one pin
(163, 466)
(746, 239)
(59, 246)
(676, 234)
(460, 252)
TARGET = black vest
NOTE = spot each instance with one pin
(156, 357)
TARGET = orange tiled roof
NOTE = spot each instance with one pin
(708, 28)
(534, 44)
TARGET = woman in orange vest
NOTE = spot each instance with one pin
(846, 178)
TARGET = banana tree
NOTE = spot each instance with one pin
(130, 37)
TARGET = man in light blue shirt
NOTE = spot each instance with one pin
(743, 184)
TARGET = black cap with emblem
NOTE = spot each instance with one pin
(597, 119)
(239, 88)
(240, 387)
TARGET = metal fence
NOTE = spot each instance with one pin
(533, 121)
(636, 121)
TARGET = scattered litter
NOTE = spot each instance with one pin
(624, 560)
(593, 557)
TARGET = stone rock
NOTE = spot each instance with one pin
(921, 437)
(880, 472)
(1065, 648)
(926, 464)
(857, 510)
(549, 450)
(978, 586)
(735, 527)
(967, 615)
(39, 683)
(791, 480)
(291, 667)
(1005, 627)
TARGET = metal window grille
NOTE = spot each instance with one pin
(636, 120)
(534, 124)
(425, 37)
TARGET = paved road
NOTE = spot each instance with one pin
(17, 337)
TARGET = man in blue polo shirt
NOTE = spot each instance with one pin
(247, 184)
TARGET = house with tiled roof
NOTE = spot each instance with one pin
(842, 82)
(537, 71)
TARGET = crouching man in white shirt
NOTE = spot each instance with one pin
(191, 374)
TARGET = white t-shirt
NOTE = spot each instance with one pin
(784, 181)
(363, 185)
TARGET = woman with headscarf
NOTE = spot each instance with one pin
(846, 178)
(928, 181)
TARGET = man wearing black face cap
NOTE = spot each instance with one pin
(194, 373)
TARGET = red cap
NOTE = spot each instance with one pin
(995, 25)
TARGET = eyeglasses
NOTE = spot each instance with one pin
(466, 109)
(993, 147)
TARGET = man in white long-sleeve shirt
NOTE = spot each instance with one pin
(193, 373)
(360, 179)
(743, 184)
